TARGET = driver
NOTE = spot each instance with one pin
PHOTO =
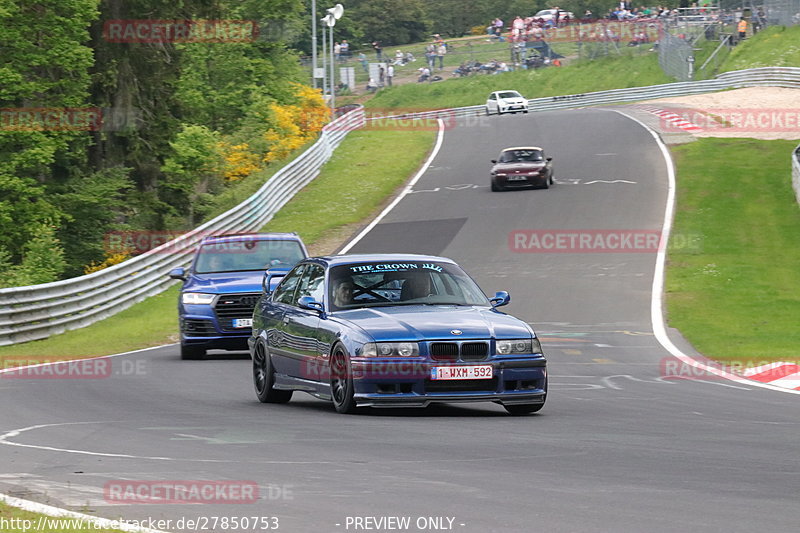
(417, 286)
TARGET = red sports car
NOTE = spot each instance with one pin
(522, 167)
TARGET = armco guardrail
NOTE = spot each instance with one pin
(28, 313)
(796, 173)
(38, 311)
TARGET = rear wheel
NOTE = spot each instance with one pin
(523, 409)
(264, 378)
(342, 381)
(189, 352)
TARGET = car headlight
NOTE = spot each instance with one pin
(390, 349)
(501, 174)
(519, 346)
(197, 298)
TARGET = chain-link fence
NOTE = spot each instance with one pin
(782, 12)
(676, 56)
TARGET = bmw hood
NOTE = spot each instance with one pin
(225, 282)
(435, 322)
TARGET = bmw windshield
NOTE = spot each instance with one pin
(247, 254)
(402, 283)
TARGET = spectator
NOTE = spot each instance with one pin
(337, 51)
(498, 29)
(378, 49)
(742, 29)
(399, 57)
(371, 85)
(430, 56)
(441, 50)
(389, 75)
(381, 76)
(345, 49)
(362, 58)
(424, 74)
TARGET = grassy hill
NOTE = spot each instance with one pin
(777, 46)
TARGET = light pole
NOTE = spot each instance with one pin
(314, 43)
(324, 21)
(334, 14)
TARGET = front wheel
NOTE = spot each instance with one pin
(487, 111)
(342, 381)
(523, 409)
(264, 378)
(495, 187)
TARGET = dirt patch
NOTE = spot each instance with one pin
(766, 113)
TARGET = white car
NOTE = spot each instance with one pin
(550, 14)
(506, 102)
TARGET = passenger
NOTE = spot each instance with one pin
(343, 293)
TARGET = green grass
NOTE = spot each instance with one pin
(777, 46)
(53, 525)
(611, 72)
(736, 297)
(365, 170)
(362, 173)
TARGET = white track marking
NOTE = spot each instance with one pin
(100, 523)
(656, 301)
(406, 190)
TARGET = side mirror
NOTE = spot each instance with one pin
(548, 158)
(308, 302)
(271, 279)
(178, 273)
(494, 160)
(500, 299)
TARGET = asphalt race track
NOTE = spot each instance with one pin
(616, 448)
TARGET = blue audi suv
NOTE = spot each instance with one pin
(223, 283)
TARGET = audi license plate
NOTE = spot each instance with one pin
(243, 322)
(462, 372)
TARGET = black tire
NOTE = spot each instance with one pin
(487, 111)
(526, 111)
(264, 378)
(523, 409)
(495, 187)
(342, 381)
(192, 353)
(552, 181)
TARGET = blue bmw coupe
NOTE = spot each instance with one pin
(392, 330)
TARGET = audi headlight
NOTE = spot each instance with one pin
(390, 349)
(197, 298)
(519, 346)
